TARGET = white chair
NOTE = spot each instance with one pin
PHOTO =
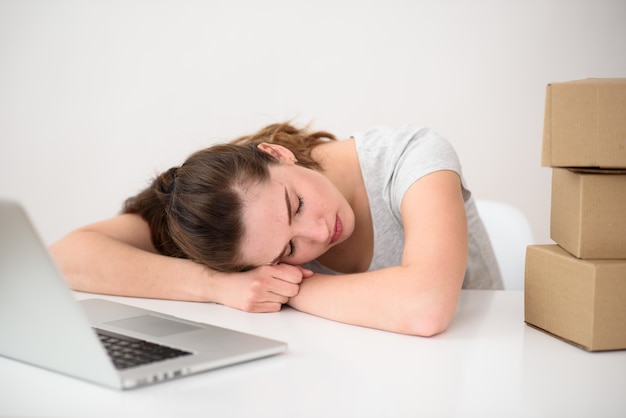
(510, 233)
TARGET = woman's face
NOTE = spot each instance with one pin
(294, 217)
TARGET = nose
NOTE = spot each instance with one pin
(314, 232)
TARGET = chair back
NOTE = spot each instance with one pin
(510, 233)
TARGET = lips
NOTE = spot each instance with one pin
(337, 231)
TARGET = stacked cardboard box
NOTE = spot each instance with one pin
(576, 289)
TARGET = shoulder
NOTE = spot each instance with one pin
(412, 145)
(394, 134)
(393, 142)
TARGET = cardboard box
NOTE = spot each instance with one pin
(582, 302)
(588, 212)
(585, 124)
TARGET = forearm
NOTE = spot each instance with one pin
(93, 262)
(396, 299)
(98, 263)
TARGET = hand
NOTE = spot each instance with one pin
(263, 289)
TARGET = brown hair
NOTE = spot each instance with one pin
(298, 141)
(195, 211)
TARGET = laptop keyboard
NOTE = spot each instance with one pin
(128, 352)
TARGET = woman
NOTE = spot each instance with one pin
(378, 230)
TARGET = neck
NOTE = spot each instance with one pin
(340, 165)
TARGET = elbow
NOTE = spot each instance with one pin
(425, 327)
(427, 309)
(56, 251)
(426, 322)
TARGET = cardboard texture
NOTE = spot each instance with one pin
(579, 301)
(585, 124)
(588, 212)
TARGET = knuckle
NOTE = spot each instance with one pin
(247, 307)
(294, 290)
(259, 285)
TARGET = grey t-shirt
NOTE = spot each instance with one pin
(391, 160)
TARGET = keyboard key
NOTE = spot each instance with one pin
(128, 352)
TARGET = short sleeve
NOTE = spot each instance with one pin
(414, 153)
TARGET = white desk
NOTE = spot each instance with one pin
(488, 364)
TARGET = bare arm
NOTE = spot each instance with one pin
(116, 256)
(420, 296)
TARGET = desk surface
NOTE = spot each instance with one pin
(488, 363)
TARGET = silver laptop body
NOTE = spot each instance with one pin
(42, 324)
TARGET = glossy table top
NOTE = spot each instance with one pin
(489, 363)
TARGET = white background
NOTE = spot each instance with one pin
(97, 96)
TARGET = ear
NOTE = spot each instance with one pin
(280, 153)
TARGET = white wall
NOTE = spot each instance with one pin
(96, 96)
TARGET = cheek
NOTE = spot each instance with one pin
(301, 260)
(306, 253)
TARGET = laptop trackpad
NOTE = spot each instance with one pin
(152, 325)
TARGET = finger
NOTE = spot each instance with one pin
(263, 307)
(306, 273)
(276, 290)
(266, 288)
(283, 289)
(285, 272)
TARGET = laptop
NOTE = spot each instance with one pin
(104, 342)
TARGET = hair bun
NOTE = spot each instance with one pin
(167, 180)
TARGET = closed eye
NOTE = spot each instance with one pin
(292, 247)
(300, 204)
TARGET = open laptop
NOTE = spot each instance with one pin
(42, 324)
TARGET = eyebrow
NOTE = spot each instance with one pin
(288, 204)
